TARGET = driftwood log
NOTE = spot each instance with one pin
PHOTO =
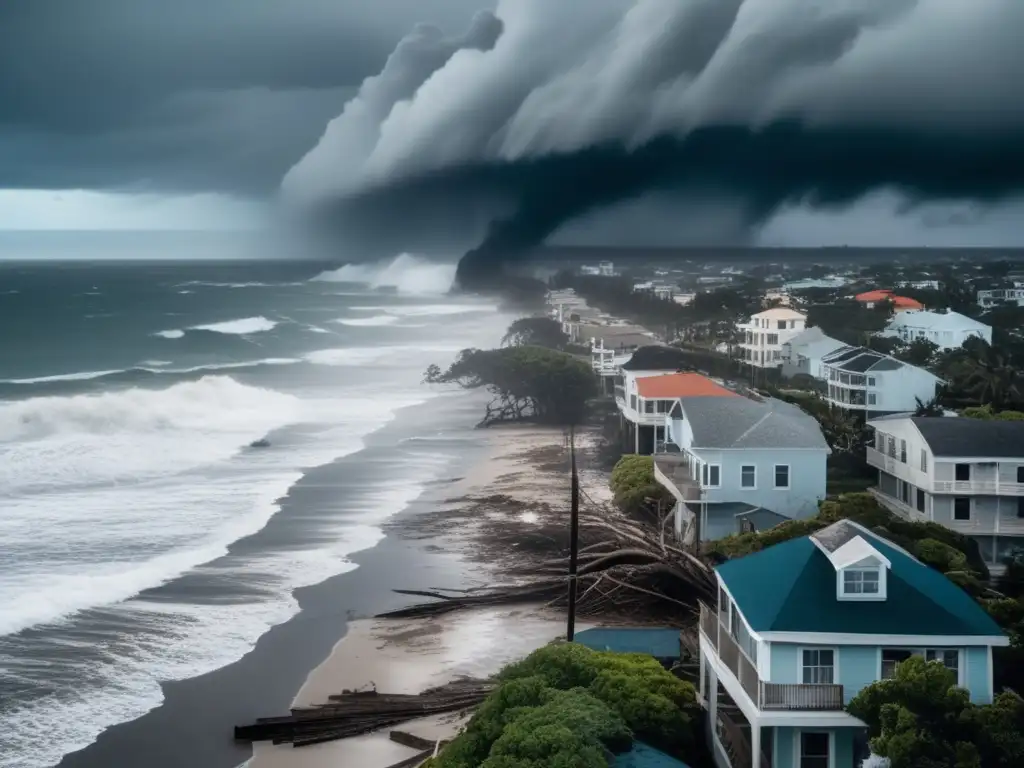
(357, 712)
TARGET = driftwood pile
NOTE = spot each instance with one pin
(353, 713)
(626, 568)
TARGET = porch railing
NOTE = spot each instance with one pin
(766, 695)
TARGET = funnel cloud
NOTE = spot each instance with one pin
(545, 113)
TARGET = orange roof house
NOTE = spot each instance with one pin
(899, 303)
(675, 385)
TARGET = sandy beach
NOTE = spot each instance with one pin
(519, 480)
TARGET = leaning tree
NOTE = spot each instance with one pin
(528, 383)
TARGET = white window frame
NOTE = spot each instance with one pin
(775, 477)
(961, 657)
(709, 484)
(748, 487)
(841, 586)
(798, 752)
(801, 666)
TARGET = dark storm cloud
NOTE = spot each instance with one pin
(761, 102)
(183, 95)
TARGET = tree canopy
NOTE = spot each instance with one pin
(527, 383)
(536, 332)
(849, 321)
(566, 706)
(921, 719)
(633, 483)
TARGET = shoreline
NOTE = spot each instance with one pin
(410, 655)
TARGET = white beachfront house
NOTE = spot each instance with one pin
(803, 353)
(965, 474)
(860, 379)
(766, 332)
(991, 297)
(947, 330)
(791, 640)
(733, 464)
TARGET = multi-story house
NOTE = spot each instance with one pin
(801, 627)
(803, 353)
(965, 474)
(862, 380)
(733, 464)
(992, 297)
(947, 330)
(766, 332)
(646, 397)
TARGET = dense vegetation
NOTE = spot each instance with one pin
(528, 383)
(566, 706)
(635, 486)
(920, 719)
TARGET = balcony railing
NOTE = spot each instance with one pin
(898, 507)
(767, 696)
(984, 487)
(892, 465)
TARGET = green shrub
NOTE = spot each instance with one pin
(568, 706)
(633, 483)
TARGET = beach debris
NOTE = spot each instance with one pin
(627, 569)
(354, 713)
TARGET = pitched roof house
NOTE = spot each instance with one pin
(802, 626)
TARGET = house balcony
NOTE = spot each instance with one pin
(987, 527)
(794, 697)
(671, 470)
(893, 466)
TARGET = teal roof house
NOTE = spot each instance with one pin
(801, 627)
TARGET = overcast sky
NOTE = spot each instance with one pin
(197, 113)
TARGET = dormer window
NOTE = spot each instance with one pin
(861, 581)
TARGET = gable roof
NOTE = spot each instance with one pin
(675, 385)
(862, 360)
(744, 423)
(791, 587)
(884, 294)
(780, 313)
(971, 437)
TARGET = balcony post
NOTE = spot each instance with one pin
(755, 744)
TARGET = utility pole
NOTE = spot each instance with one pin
(574, 539)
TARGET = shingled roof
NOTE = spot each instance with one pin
(791, 587)
(738, 422)
(977, 438)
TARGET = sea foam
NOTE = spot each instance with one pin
(406, 274)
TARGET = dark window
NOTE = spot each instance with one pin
(961, 508)
(748, 476)
(782, 325)
(782, 476)
(891, 658)
(1020, 474)
(818, 667)
(1020, 506)
(963, 473)
(814, 750)
(924, 460)
(920, 500)
(714, 475)
(903, 451)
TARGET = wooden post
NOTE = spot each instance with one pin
(574, 540)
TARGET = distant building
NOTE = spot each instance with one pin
(899, 303)
(735, 464)
(803, 353)
(658, 290)
(965, 474)
(862, 380)
(947, 330)
(921, 285)
(990, 298)
(800, 628)
(832, 282)
(766, 332)
(684, 299)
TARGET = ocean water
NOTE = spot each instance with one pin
(130, 497)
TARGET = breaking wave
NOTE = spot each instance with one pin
(406, 274)
(241, 327)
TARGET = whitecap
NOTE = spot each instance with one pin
(406, 273)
